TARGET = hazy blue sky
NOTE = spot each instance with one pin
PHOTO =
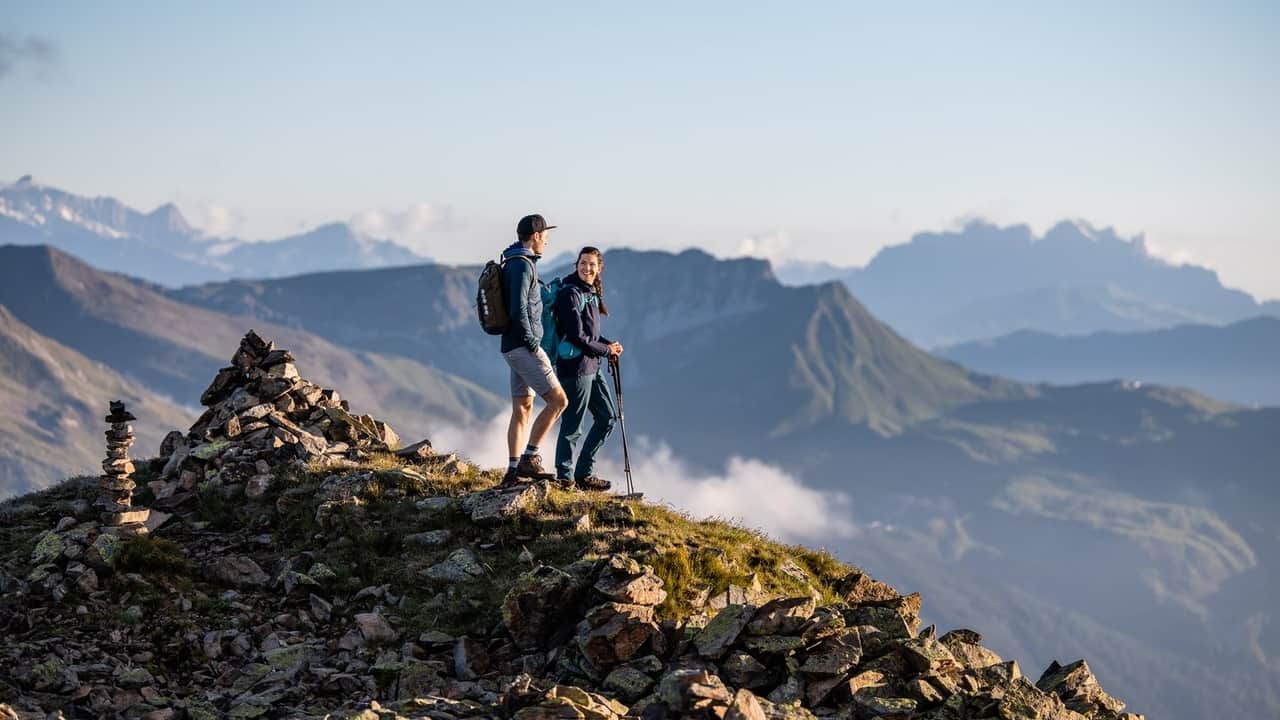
(788, 129)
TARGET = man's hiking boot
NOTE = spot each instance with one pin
(591, 482)
(530, 466)
(510, 478)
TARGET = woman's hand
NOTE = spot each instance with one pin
(615, 349)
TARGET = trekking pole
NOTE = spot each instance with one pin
(622, 423)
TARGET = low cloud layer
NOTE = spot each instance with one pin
(749, 491)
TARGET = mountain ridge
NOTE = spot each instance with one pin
(524, 602)
(1233, 362)
(53, 398)
(172, 348)
(161, 246)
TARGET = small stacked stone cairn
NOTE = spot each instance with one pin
(116, 496)
(262, 415)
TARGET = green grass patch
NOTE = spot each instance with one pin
(146, 554)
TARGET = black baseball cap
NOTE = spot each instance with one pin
(530, 224)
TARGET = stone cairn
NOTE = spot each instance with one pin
(116, 487)
(262, 415)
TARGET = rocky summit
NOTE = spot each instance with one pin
(297, 566)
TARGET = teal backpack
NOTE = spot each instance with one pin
(553, 343)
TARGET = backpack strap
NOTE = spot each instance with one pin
(536, 280)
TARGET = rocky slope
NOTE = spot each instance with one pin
(341, 581)
(53, 398)
(172, 348)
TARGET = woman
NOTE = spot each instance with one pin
(580, 367)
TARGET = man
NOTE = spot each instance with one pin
(531, 370)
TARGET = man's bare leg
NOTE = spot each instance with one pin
(556, 401)
(521, 408)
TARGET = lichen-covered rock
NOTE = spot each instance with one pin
(884, 708)
(48, 548)
(928, 656)
(742, 670)
(714, 640)
(628, 683)
(783, 616)
(834, 656)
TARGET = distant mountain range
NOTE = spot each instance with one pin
(54, 400)
(1145, 504)
(152, 347)
(1238, 362)
(1151, 508)
(986, 281)
(163, 248)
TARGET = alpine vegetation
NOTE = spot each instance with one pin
(299, 564)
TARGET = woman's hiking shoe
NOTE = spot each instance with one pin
(530, 466)
(591, 482)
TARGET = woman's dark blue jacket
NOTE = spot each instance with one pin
(577, 310)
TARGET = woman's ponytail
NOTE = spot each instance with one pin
(600, 296)
(599, 286)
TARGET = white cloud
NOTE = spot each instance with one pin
(416, 226)
(219, 220)
(773, 246)
(1169, 253)
(749, 491)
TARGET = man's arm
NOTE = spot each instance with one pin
(517, 277)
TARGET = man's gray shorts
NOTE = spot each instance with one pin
(531, 373)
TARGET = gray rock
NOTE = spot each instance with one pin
(628, 683)
(374, 628)
(623, 580)
(714, 640)
(683, 690)
(134, 678)
(538, 602)
(429, 539)
(742, 670)
(470, 660)
(49, 547)
(460, 566)
(321, 609)
(236, 571)
(888, 708)
(613, 633)
(494, 507)
(1078, 689)
(832, 657)
(783, 616)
